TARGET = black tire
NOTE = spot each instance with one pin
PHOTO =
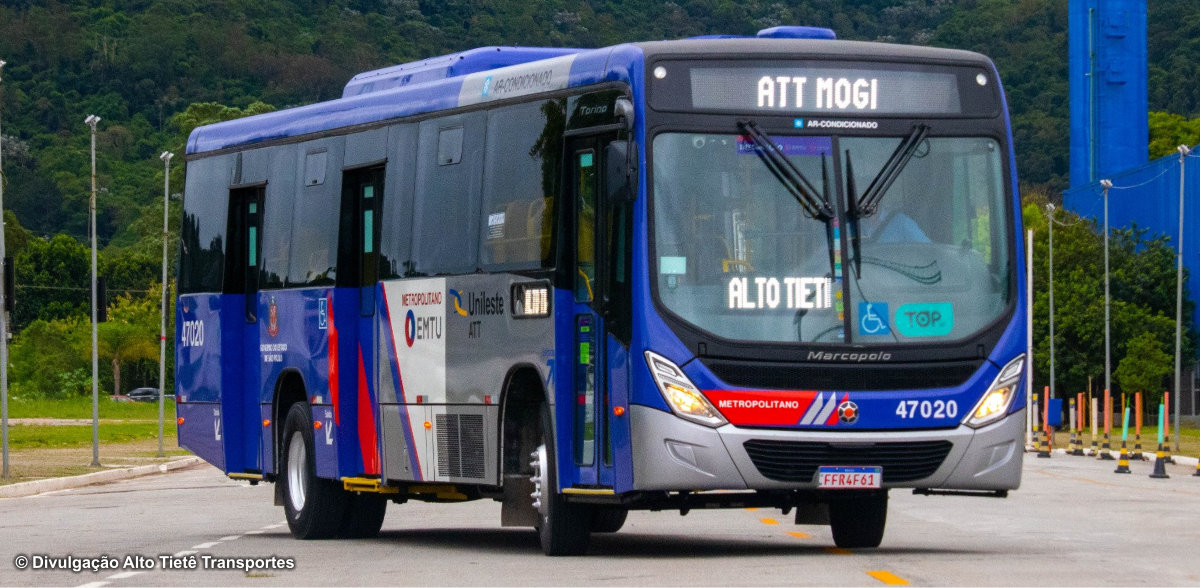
(608, 519)
(363, 517)
(563, 528)
(858, 520)
(314, 506)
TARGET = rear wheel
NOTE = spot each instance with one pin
(563, 528)
(314, 507)
(857, 520)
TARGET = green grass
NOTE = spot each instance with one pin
(50, 436)
(81, 408)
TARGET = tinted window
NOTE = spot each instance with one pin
(395, 231)
(524, 144)
(315, 219)
(202, 235)
(277, 217)
(446, 215)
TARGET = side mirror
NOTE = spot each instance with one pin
(620, 172)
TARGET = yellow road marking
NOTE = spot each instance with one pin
(799, 535)
(888, 578)
(769, 521)
(751, 508)
(838, 551)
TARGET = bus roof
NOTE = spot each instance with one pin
(494, 73)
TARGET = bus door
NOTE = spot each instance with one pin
(238, 426)
(597, 358)
(357, 277)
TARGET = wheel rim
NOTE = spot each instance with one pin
(541, 480)
(297, 462)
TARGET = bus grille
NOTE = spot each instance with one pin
(797, 461)
(460, 445)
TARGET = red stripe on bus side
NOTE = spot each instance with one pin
(368, 437)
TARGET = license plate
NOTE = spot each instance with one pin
(849, 478)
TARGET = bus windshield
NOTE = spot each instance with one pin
(917, 249)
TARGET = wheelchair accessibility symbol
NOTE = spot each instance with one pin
(872, 318)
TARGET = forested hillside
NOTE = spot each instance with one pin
(153, 69)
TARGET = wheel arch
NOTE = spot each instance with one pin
(289, 389)
(521, 397)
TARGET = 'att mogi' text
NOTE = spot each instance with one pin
(770, 293)
(826, 93)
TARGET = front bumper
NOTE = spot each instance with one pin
(674, 454)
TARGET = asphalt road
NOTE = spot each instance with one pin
(1073, 523)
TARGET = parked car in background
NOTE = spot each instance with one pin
(144, 394)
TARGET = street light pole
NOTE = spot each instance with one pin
(1106, 184)
(3, 314)
(91, 121)
(1050, 225)
(162, 333)
(1183, 153)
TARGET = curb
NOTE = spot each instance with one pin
(54, 484)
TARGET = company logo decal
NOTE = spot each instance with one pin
(847, 412)
(420, 328)
(273, 318)
(477, 303)
(457, 297)
(487, 86)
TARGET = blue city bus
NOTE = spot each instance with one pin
(776, 271)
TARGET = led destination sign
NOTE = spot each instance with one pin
(824, 89)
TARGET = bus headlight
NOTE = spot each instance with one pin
(684, 398)
(994, 404)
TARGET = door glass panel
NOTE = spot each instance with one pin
(585, 223)
(585, 389)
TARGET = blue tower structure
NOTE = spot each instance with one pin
(1109, 120)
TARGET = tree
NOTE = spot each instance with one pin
(1169, 131)
(53, 281)
(1144, 367)
(130, 334)
(50, 359)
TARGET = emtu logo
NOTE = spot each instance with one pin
(410, 328)
(487, 86)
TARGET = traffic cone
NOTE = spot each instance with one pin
(1138, 454)
(1044, 445)
(1072, 448)
(1160, 464)
(1166, 449)
(1095, 447)
(1123, 462)
(1106, 451)
(1197, 474)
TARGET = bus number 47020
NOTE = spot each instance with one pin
(936, 409)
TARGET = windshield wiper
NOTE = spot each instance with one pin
(815, 206)
(868, 203)
(818, 207)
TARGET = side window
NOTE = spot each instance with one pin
(313, 260)
(277, 218)
(395, 219)
(449, 182)
(524, 147)
(202, 234)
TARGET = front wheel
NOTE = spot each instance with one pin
(563, 528)
(857, 520)
(314, 507)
